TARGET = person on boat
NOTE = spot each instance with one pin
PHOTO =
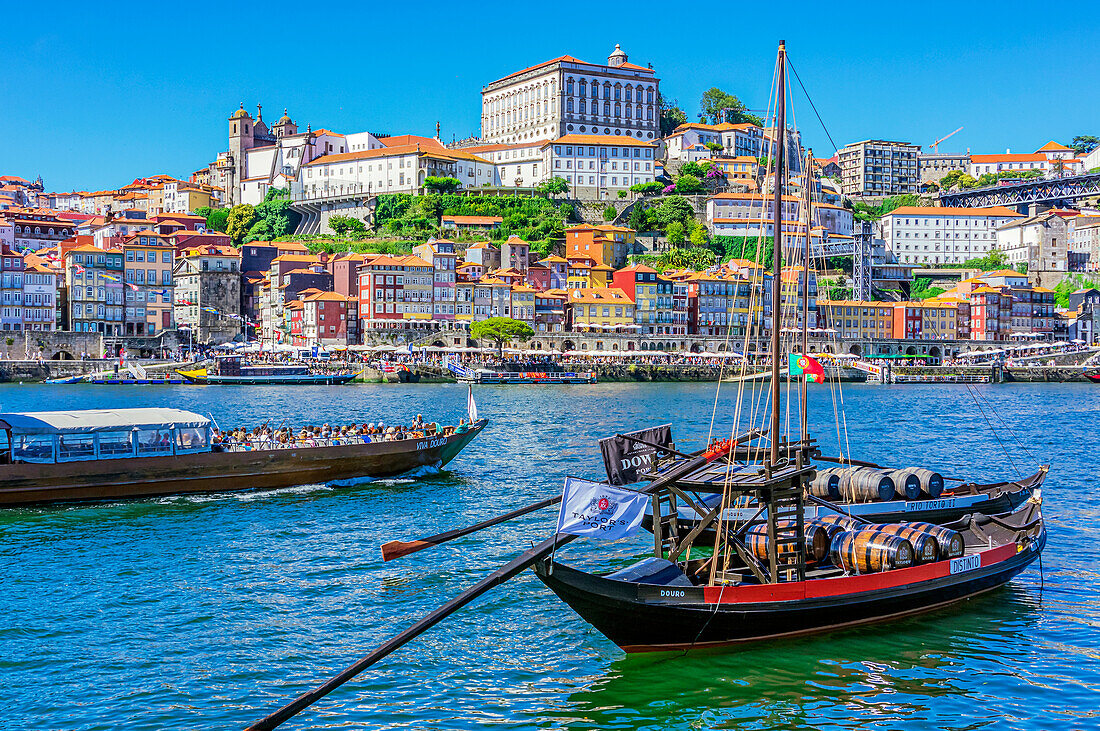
(462, 427)
(418, 422)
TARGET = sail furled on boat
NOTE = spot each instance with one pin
(628, 456)
(600, 511)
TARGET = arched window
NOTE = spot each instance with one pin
(639, 111)
(649, 113)
(582, 106)
(618, 91)
(569, 104)
(618, 108)
(569, 86)
(584, 87)
(607, 109)
(607, 90)
(649, 96)
(628, 115)
(595, 90)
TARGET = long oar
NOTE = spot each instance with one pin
(496, 578)
(397, 549)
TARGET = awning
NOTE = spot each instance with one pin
(91, 421)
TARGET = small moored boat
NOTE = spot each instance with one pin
(233, 370)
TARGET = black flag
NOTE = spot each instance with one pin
(625, 458)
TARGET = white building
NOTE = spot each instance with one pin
(595, 166)
(1085, 242)
(568, 96)
(932, 235)
(1042, 241)
(747, 214)
(689, 141)
(1052, 158)
(879, 168)
(517, 166)
(400, 167)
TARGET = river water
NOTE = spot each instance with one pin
(207, 612)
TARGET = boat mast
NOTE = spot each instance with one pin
(807, 199)
(779, 142)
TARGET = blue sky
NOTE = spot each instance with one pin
(93, 96)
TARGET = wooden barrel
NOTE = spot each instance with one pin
(827, 483)
(907, 483)
(950, 541)
(816, 542)
(865, 485)
(926, 549)
(869, 551)
(931, 483)
(843, 522)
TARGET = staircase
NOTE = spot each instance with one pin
(666, 532)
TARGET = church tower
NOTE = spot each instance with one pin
(241, 139)
(284, 127)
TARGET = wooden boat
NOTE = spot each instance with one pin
(136, 381)
(105, 454)
(66, 379)
(1094, 377)
(232, 370)
(764, 577)
(658, 605)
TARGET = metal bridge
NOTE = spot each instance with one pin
(1052, 191)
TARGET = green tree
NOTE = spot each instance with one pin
(688, 185)
(718, 106)
(217, 219)
(1084, 144)
(922, 289)
(646, 188)
(501, 330)
(698, 237)
(554, 186)
(637, 219)
(675, 233)
(344, 225)
(692, 168)
(622, 194)
(673, 208)
(239, 221)
(609, 213)
(671, 115)
(441, 184)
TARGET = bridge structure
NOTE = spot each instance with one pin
(1064, 191)
(316, 207)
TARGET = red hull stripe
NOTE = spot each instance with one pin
(843, 585)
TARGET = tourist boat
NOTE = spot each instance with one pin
(794, 563)
(531, 373)
(232, 369)
(1094, 377)
(114, 381)
(108, 454)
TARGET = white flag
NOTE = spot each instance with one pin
(471, 407)
(597, 509)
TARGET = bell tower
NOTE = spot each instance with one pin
(241, 139)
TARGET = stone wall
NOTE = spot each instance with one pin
(34, 345)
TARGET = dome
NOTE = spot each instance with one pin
(240, 113)
(617, 57)
(285, 119)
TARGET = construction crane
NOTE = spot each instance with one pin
(936, 145)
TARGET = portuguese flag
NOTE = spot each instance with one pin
(800, 365)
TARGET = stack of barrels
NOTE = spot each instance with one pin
(861, 548)
(870, 484)
(870, 548)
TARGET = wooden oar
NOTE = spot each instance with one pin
(397, 549)
(496, 578)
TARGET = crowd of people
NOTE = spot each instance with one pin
(328, 435)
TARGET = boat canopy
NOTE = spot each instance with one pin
(91, 421)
